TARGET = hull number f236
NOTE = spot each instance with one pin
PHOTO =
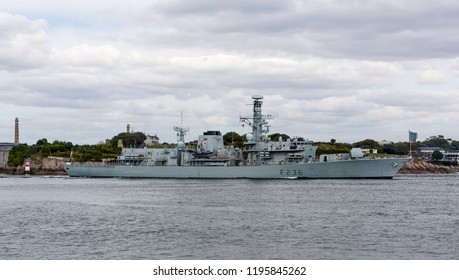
(291, 172)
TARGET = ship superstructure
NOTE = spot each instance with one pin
(261, 158)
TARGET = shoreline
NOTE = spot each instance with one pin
(424, 167)
(34, 171)
(421, 167)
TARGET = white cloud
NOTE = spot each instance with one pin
(23, 42)
(365, 69)
(431, 76)
(88, 55)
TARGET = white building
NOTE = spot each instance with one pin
(151, 140)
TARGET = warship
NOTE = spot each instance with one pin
(262, 158)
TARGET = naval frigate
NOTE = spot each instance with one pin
(262, 158)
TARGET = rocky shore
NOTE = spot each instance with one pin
(34, 171)
(48, 166)
(423, 167)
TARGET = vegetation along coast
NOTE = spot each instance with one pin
(432, 156)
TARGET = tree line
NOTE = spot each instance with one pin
(79, 153)
(82, 153)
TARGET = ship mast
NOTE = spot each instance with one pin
(258, 121)
(181, 131)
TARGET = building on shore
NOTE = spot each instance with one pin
(425, 153)
(5, 147)
(151, 140)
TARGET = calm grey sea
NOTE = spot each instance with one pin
(410, 217)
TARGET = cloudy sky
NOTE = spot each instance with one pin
(80, 71)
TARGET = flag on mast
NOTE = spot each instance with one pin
(412, 136)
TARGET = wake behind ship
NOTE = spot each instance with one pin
(262, 158)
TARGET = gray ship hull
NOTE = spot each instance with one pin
(355, 168)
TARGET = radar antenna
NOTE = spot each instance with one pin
(181, 131)
(257, 121)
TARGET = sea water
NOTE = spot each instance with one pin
(409, 217)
